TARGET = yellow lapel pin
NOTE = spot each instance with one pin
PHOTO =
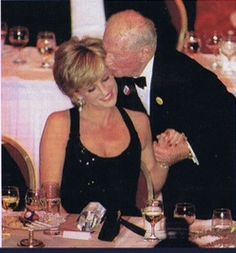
(159, 101)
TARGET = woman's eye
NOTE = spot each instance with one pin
(105, 78)
(92, 89)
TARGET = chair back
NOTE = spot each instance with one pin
(179, 19)
(22, 159)
(145, 187)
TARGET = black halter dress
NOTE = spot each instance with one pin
(111, 181)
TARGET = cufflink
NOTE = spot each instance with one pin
(126, 90)
(159, 101)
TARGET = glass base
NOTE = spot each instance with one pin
(31, 244)
(151, 238)
(52, 231)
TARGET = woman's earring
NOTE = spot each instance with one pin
(80, 104)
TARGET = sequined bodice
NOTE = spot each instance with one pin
(88, 177)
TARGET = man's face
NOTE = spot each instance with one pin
(121, 61)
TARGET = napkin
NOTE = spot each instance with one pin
(76, 235)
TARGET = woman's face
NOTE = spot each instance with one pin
(102, 93)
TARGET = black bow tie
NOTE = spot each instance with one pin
(140, 81)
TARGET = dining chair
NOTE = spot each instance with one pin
(179, 19)
(145, 187)
(22, 159)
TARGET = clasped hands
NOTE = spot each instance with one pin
(170, 148)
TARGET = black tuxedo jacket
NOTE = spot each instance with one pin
(187, 97)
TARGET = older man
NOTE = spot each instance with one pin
(178, 94)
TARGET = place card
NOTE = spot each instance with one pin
(76, 235)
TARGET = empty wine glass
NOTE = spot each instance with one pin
(19, 37)
(186, 211)
(153, 212)
(221, 220)
(10, 198)
(46, 44)
(192, 43)
(228, 49)
(35, 200)
(213, 43)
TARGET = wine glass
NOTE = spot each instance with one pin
(186, 211)
(228, 49)
(19, 37)
(153, 212)
(10, 201)
(213, 43)
(10, 198)
(192, 43)
(221, 220)
(46, 45)
(35, 200)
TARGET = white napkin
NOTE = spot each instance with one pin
(76, 235)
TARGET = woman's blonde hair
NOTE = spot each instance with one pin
(78, 64)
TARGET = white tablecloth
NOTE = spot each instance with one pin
(29, 95)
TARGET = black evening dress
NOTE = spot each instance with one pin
(111, 181)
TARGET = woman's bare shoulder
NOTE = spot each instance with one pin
(59, 120)
(139, 118)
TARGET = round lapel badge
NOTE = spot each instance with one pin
(159, 101)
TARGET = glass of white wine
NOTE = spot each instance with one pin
(153, 213)
(10, 201)
(186, 211)
(46, 45)
(19, 37)
(10, 198)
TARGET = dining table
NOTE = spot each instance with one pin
(71, 237)
(29, 95)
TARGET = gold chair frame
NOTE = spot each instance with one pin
(22, 159)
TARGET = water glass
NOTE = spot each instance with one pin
(53, 202)
(221, 220)
(186, 211)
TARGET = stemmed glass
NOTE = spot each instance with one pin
(19, 37)
(228, 49)
(213, 43)
(10, 201)
(35, 202)
(153, 212)
(186, 211)
(46, 45)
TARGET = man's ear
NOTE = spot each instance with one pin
(145, 54)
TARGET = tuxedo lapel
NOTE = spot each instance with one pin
(127, 95)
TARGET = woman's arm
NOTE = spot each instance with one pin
(53, 146)
(157, 171)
